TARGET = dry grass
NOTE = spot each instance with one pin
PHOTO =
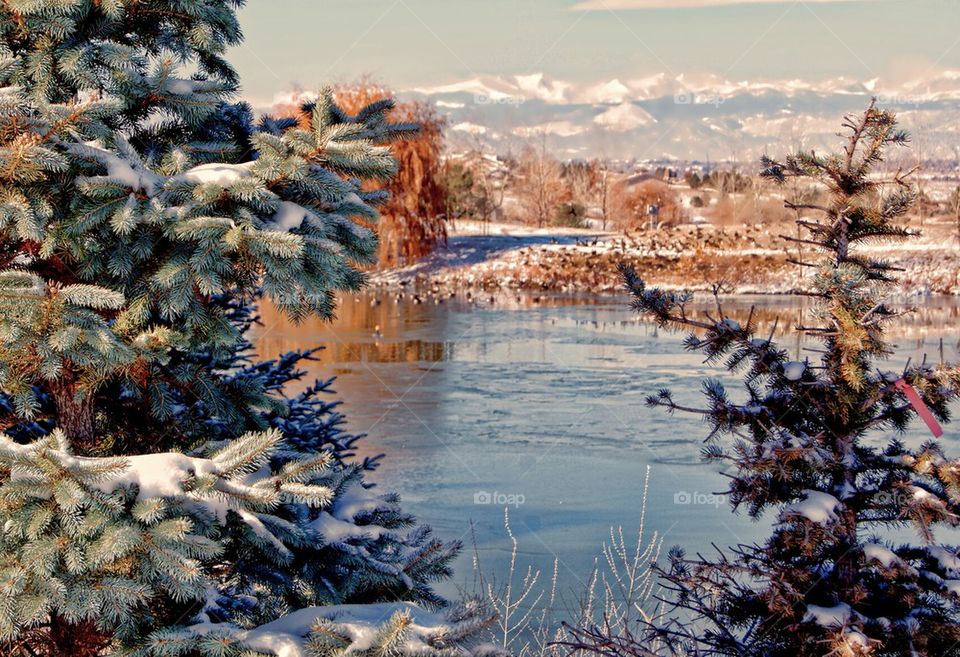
(620, 593)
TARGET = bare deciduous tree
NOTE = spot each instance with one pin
(539, 184)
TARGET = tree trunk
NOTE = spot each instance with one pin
(76, 640)
(957, 211)
(74, 414)
(847, 556)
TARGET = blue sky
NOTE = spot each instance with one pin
(409, 43)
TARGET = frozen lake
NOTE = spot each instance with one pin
(539, 406)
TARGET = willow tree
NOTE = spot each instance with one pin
(413, 217)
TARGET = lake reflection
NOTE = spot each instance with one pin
(542, 399)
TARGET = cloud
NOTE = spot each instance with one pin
(596, 5)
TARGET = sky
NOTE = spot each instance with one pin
(415, 43)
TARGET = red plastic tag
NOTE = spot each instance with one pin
(914, 398)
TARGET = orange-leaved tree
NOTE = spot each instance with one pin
(413, 220)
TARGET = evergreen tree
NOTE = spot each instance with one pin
(809, 445)
(155, 479)
(363, 630)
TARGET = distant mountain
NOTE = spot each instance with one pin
(687, 117)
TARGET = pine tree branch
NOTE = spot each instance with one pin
(790, 205)
(798, 240)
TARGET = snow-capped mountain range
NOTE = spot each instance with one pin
(687, 117)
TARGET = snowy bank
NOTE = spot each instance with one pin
(746, 259)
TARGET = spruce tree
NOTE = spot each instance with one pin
(161, 493)
(817, 446)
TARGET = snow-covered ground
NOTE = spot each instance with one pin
(747, 259)
(478, 244)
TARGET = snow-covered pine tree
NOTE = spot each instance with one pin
(155, 477)
(810, 445)
(371, 630)
(372, 550)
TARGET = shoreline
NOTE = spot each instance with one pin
(743, 260)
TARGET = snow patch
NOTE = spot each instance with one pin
(335, 530)
(818, 507)
(731, 325)
(287, 636)
(623, 118)
(164, 476)
(288, 217)
(217, 173)
(357, 500)
(181, 87)
(130, 174)
(471, 128)
(338, 524)
(794, 370)
(882, 554)
(607, 93)
(829, 617)
(952, 586)
(855, 638)
(559, 128)
(538, 86)
(159, 475)
(947, 559)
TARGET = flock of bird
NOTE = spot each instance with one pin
(434, 295)
(586, 263)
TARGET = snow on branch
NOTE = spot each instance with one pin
(399, 628)
(208, 489)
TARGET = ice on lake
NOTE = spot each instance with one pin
(538, 405)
